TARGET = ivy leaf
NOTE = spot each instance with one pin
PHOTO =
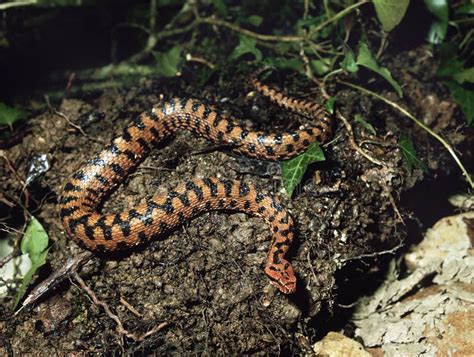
(349, 63)
(168, 62)
(409, 153)
(294, 64)
(294, 169)
(361, 120)
(329, 105)
(309, 21)
(40, 261)
(221, 7)
(254, 20)
(321, 66)
(466, 75)
(390, 12)
(439, 27)
(366, 59)
(451, 70)
(35, 239)
(465, 9)
(246, 45)
(34, 243)
(464, 98)
(9, 115)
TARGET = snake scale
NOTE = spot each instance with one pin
(89, 185)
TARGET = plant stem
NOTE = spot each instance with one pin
(420, 124)
(336, 17)
(235, 28)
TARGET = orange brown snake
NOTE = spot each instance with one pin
(118, 231)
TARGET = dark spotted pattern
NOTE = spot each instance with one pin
(92, 182)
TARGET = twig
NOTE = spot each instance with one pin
(24, 189)
(8, 5)
(355, 145)
(392, 202)
(65, 117)
(190, 58)
(129, 307)
(313, 272)
(420, 124)
(373, 255)
(7, 258)
(69, 267)
(120, 328)
(235, 28)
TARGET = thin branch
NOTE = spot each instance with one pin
(373, 255)
(120, 328)
(69, 267)
(336, 17)
(235, 28)
(8, 5)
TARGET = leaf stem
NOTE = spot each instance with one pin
(336, 17)
(420, 124)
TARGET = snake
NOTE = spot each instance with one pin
(83, 194)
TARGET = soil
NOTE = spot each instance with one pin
(206, 278)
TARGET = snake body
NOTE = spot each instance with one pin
(89, 185)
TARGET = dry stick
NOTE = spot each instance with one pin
(24, 189)
(16, 249)
(373, 255)
(129, 306)
(8, 5)
(7, 258)
(191, 58)
(65, 117)
(420, 124)
(235, 28)
(392, 202)
(69, 267)
(120, 328)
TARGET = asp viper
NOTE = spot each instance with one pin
(89, 185)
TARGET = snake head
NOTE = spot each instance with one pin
(282, 276)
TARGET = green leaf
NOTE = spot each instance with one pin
(9, 115)
(329, 105)
(390, 12)
(439, 27)
(309, 21)
(450, 68)
(349, 63)
(464, 98)
(450, 63)
(361, 120)
(35, 240)
(40, 261)
(320, 66)
(221, 7)
(246, 45)
(254, 20)
(465, 9)
(366, 59)
(168, 62)
(294, 169)
(467, 75)
(294, 64)
(34, 243)
(409, 153)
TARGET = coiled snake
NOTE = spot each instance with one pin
(89, 185)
